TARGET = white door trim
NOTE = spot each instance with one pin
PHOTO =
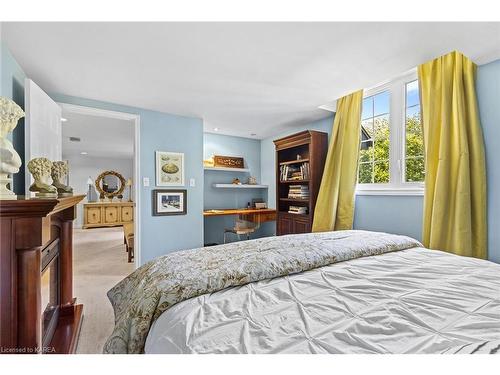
(137, 165)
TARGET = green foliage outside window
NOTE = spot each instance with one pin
(374, 153)
(414, 169)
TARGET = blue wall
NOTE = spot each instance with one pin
(164, 132)
(12, 87)
(488, 93)
(394, 214)
(249, 149)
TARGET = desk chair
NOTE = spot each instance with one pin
(242, 227)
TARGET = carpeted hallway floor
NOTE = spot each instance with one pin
(99, 262)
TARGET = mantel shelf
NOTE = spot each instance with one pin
(242, 186)
(226, 169)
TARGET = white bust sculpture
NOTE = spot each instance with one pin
(10, 162)
(59, 172)
(41, 170)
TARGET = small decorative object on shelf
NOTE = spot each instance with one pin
(101, 197)
(10, 113)
(41, 170)
(209, 162)
(59, 172)
(236, 181)
(252, 180)
(228, 161)
(299, 157)
(120, 197)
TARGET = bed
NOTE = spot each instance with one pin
(332, 292)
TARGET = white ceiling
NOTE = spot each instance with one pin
(101, 137)
(242, 78)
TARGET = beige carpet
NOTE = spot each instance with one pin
(99, 262)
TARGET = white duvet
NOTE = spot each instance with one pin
(410, 301)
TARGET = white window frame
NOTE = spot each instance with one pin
(397, 127)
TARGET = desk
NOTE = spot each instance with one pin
(249, 214)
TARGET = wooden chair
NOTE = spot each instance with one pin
(128, 239)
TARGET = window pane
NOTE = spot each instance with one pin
(414, 142)
(366, 151)
(413, 137)
(381, 103)
(381, 172)
(415, 170)
(381, 137)
(412, 95)
(365, 173)
(374, 147)
(367, 108)
(366, 129)
(413, 111)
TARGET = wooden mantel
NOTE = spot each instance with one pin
(36, 235)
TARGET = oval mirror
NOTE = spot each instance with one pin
(110, 183)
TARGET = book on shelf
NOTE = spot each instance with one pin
(297, 210)
(294, 172)
(298, 192)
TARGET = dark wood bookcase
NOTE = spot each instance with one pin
(295, 151)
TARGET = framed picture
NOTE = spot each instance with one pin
(169, 168)
(169, 202)
(229, 161)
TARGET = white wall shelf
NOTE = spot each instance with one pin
(225, 169)
(242, 186)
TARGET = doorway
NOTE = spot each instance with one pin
(102, 151)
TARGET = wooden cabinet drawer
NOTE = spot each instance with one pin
(94, 215)
(110, 215)
(127, 214)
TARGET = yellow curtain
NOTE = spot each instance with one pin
(455, 180)
(335, 204)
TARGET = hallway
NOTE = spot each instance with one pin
(100, 262)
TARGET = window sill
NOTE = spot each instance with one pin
(413, 191)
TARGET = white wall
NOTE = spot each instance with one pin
(83, 166)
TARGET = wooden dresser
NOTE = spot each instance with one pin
(107, 214)
(38, 313)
